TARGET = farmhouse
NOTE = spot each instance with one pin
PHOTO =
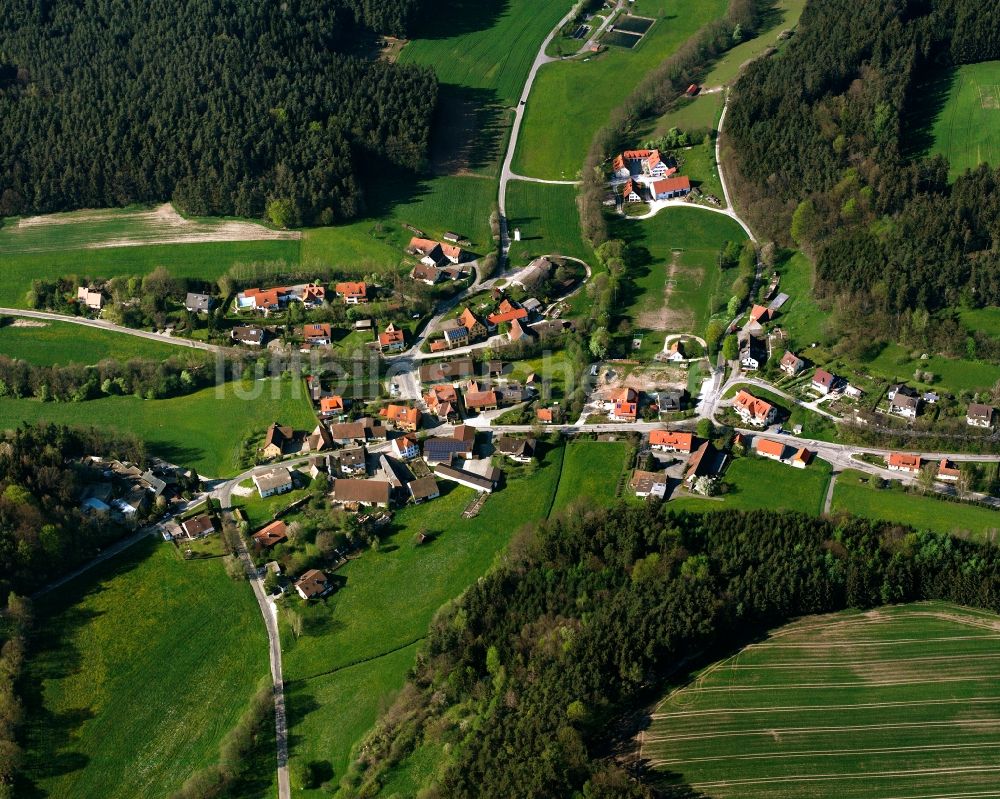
(267, 301)
(273, 481)
(331, 406)
(318, 334)
(479, 401)
(447, 370)
(519, 330)
(902, 462)
(648, 484)
(423, 489)
(507, 311)
(313, 585)
(754, 411)
(472, 323)
(277, 440)
(402, 417)
(535, 274)
(760, 314)
(791, 364)
(632, 192)
(766, 448)
(392, 339)
(197, 303)
(442, 449)
(198, 526)
(623, 405)
(802, 458)
(979, 415)
(353, 461)
(405, 447)
(251, 336)
(352, 292)
(703, 463)
(484, 479)
(547, 415)
(442, 401)
(273, 534)
(670, 188)
(903, 401)
(948, 471)
(455, 334)
(753, 351)
(426, 274)
(521, 450)
(823, 382)
(368, 493)
(671, 441)
(91, 298)
(640, 162)
(433, 253)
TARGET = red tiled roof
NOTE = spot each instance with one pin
(672, 438)
(480, 399)
(274, 533)
(391, 335)
(400, 413)
(626, 409)
(316, 331)
(671, 184)
(507, 316)
(352, 289)
(759, 312)
(904, 461)
(765, 446)
(468, 319)
(330, 404)
(544, 414)
(757, 408)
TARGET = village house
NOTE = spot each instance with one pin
(980, 415)
(277, 480)
(277, 440)
(823, 382)
(91, 298)
(641, 162)
(791, 364)
(753, 351)
(471, 322)
(198, 303)
(671, 188)
(704, 462)
(401, 417)
(455, 334)
(319, 334)
(273, 534)
(853, 391)
(353, 461)
(506, 311)
(671, 441)
(766, 448)
(477, 475)
(632, 191)
(760, 314)
(358, 431)
(902, 462)
(198, 526)
(443, 449)
(405, 447)
(519, 330)
(434, 253)
(547, 415)
(268, 301)
(648, 484)
(249, 335)
(352, 292)
(479, 401)
(903, 401)
(442, 402)
(948, 471)
(754, 411)
(313, 585)
(445, 371)
(366, 493)
(534, 275)
(675, 352)
(423, 489)
(671, 401)
(318, 440)
(392, 339)
(521, 450)
(426, 274)
(331, 406)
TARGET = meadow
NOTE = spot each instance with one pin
(966, 127)
(986, 320)
(800, 316)
(590, 473)
(138, 669)
(548, 220)
(698, 113)
(956, 374)
(51, 343)
(203, 430)
(896, 701)
(576, 97)
(855, 493)
(678, 278)
(342, 676)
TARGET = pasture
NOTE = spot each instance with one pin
(590, 473)
(897, 701)
(966, 127)
(855, 493)
(571, 100)
(698, 113)
(51, 343)
(800, 316)
(341, 676)
(137, 671)
(986, 320)
(674, 285)
(204, 430)
(548, 220)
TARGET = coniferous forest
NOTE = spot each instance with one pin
(821, 139)
(230, 107)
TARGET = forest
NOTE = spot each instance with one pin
(523, 679)
(817, 142)
(230, 107)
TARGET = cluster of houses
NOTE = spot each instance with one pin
(125, 493)
(625, 404)
(438, 260)
(520, 319)
(944, 469)
(649, 176)
(702, 460)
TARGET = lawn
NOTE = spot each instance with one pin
(896, 701)
(137, 671)
(548, 220)
(800, 316)
(964, 120)
(571, 100)
(698, 113)
(855, 494)
(203, 430)
(387, 604)
(52, 343)
(895, 362)
(553, 368)
(590, 473)
(673, 287)
(986, 320)
(699, 165)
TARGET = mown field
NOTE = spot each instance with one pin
(673, 289)
(590, 473)
(854, 493)
(343, 675)
(800, 316)
(986, 320)
(138, 670)
(699, 113)
(52, 343)
(966, 127)
(548, 220)
(894, 702)
(571, 100)
(202, 431)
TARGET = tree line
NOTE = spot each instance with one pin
(16, 622)
(231, 107)
(521, 679)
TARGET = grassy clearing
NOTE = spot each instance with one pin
(699, 113)
(956, 374)
(554, 369)
(986, 320)
(673, 291)
(387, 603)
(699, 165)
(960, 114)
(140, 667)
(800, 316)
(548, 220)
(62, 342)
(855, 494)
(570, 100)
(203, 430)
(590, 473)
(895, 701)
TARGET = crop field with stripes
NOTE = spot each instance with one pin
(897, 703)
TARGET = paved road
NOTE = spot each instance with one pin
(102, 324)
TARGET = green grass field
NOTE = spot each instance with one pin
(201, 430)
(986, 320)
(854, 494)
(590, 473)
(800, 316)
(673, 291)
(699, 113)
(955, 374)
(386, 605)
(548, 220)
(571, 100)
(62, 343)
(137, 671)
(966, 129)
(699, 165)
(894, 702)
